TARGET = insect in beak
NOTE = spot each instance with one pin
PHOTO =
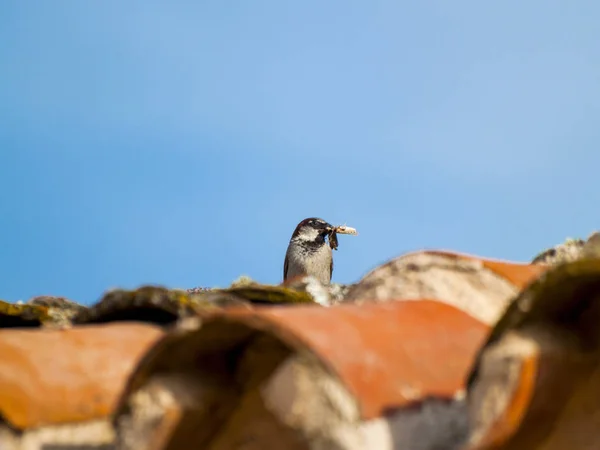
(342, 229)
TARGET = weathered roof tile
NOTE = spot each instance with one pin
(159, 305)
(482, 287)
(380, 357)
(152, 304)
(22, 315)
(59, 376)
(537, 378)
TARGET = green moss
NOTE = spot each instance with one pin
(22, 315)
(271, 294)
(156, 304)
(147, 304)
(246, 290)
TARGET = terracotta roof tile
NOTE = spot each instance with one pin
(482, 287)
(385, 356)
(537, 375)
(570, 250)
(388, 355)
(162, 306)
(59, 376)
(61, 310)
(151, 304)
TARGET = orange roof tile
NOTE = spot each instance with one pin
(518, 274)
(58, 376)
(535, 378)
(480, 286)
(388, 355)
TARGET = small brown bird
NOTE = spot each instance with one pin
(308, 253)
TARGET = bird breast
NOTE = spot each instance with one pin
(315, 262)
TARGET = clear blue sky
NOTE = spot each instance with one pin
(179, 143)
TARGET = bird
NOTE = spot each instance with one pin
(308, 252)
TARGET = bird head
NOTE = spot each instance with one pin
(312, 230)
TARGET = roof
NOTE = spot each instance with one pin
(433, 349)
(57, 376)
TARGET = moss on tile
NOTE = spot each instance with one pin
(270, 294)
(153, 304)
(22, 315)
(60, 309)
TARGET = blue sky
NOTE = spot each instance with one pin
(179, 143)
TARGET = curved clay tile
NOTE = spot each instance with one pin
(570, 250)
(298, 376)
(60, 309)
(536, 381)
(39, 311)
(150, 304)
(270, 294)
(57, 383)
(252, 293)
(481, 287)
(162, 306)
